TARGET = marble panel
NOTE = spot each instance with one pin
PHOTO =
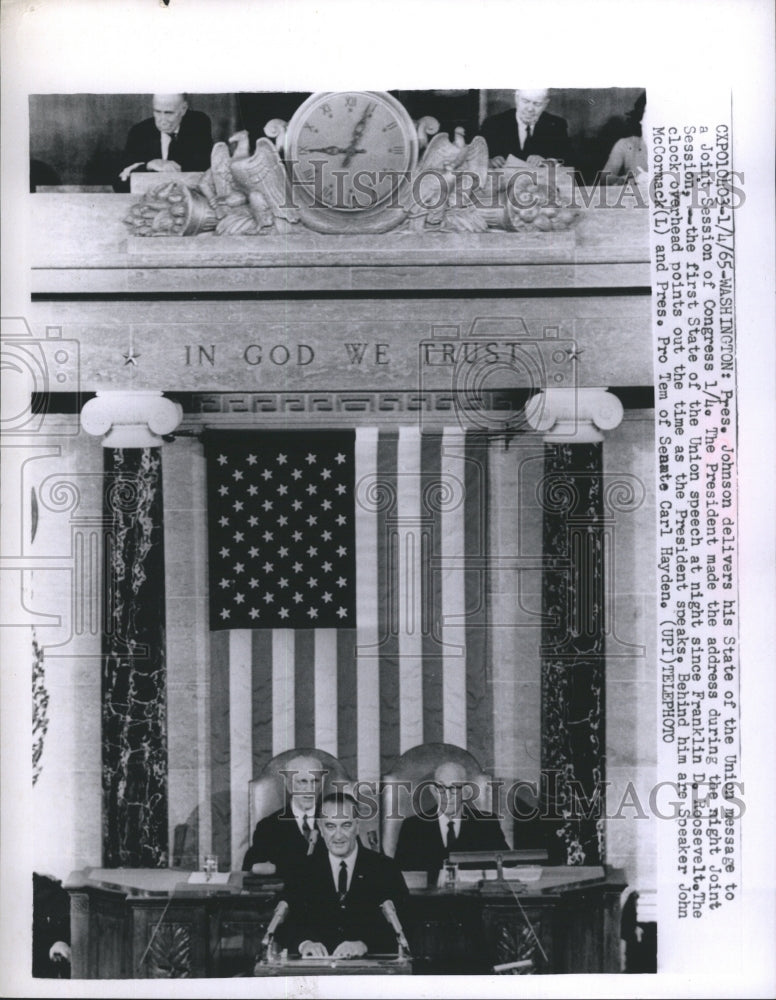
(573, 681)
(134, 697)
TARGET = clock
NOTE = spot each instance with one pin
(348, 155)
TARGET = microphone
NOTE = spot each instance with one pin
(280, 914)
(389, 912)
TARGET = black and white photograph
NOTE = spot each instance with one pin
(374, 514)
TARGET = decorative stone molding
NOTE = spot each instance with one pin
(573, 416)
(451, 188)
(130, 418)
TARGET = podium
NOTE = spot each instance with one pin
(369, 965)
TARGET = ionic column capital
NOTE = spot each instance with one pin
(573, 416)
(130, 418)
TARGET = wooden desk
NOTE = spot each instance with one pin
(561, 929)
(145, 923)
(137, 923)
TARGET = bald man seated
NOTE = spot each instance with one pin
(282, 840)
(425, 842)
(527, 131)
(175, 138)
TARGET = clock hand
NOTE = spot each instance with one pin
(358, 131)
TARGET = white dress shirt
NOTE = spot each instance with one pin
(443, 821)
(350, 862)
(299, 815)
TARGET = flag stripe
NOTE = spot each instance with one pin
(350, 707)
(202, 817)
(479, 693)
(410, 590)
(304, 687)
(219, 742)
(326, 690)
(240, 739)
(387, 568)
(283, 736)
(367, 667)
(261, 698)
(431, 471)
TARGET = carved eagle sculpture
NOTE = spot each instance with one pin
(248, 191)
(262, 178)
(218, 185)
(440, 194)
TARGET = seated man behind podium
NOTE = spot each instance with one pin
(174, 139)
(335, 897)
(527, 131)
(282, 840)
(425, 842)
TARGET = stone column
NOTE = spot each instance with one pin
(573, 606)
(134, 690)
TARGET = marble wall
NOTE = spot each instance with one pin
(134, 669)
(188, 644)
(61, 480)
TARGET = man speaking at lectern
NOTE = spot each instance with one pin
(337, 898)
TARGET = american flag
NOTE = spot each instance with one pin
(407, 663)
(282, 530)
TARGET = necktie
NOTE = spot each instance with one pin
(342, 881)
(450, 835)
(305, 827)
(527, 135)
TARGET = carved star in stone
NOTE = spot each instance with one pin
(573, 353)
(130, 358)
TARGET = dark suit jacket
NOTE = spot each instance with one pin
(278, 839)
(420, 846)
(549, 138)
(191, 149)
(50, 923)
(315, 913)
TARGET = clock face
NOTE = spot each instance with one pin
(350, 151)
